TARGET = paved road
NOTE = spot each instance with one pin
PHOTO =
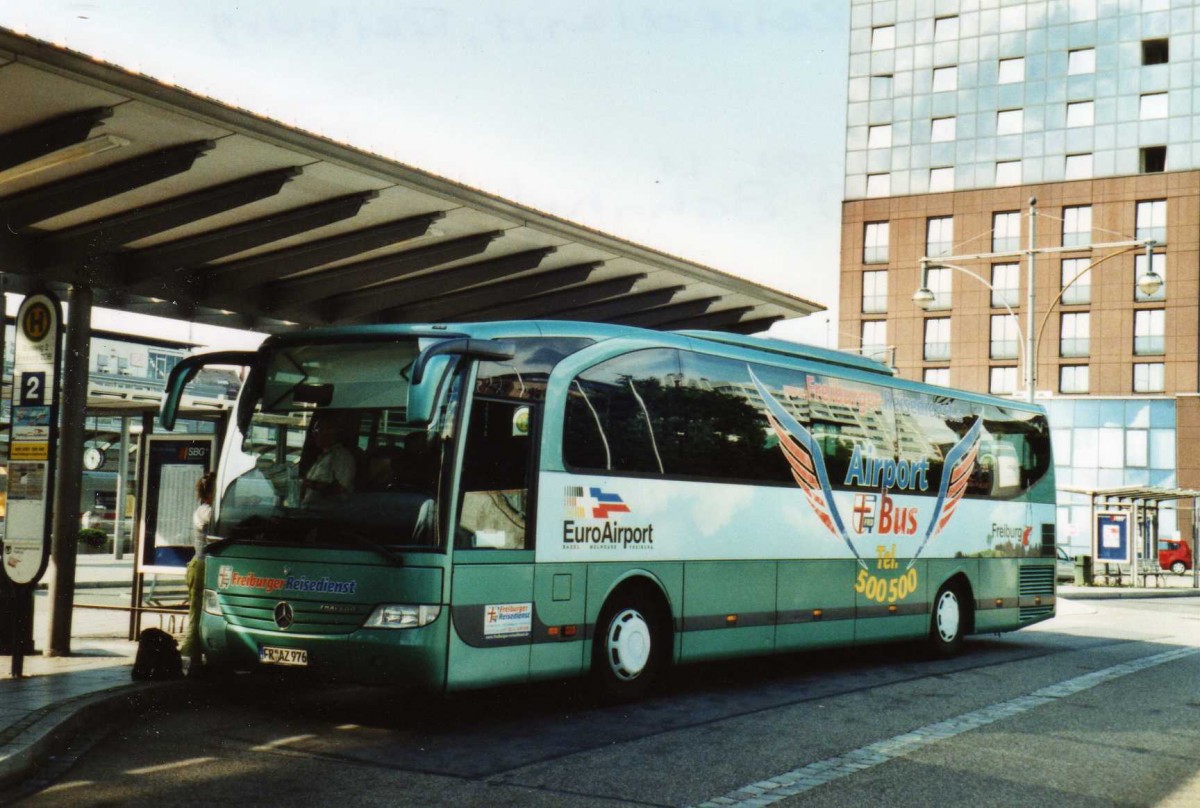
(1097, 707)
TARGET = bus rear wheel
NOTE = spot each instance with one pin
(948, 622)
(629, 647)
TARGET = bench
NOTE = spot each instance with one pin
(1118, 574)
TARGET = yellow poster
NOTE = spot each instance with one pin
(29, 451)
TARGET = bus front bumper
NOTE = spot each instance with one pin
(413, 657)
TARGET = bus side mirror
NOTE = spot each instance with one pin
(496, 350)
(185, 371)
(429, 369)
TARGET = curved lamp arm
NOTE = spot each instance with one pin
(924, 294)
(1086, 270)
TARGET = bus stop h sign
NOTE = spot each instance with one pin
(33, 438)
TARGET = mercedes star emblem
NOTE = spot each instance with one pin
(284, 614)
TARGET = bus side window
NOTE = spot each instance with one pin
(585, 442)
(494, 488)
(618, 414)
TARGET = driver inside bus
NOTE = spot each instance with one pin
(332, 474)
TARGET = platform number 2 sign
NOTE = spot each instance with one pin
(33, 389)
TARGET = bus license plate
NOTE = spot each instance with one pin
(282, 656)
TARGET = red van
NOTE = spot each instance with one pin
(1174, 555)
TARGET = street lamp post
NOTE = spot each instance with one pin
(1149, 283)
(1030, 278)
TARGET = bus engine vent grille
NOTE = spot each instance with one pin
(310, 617)
(1036, 582)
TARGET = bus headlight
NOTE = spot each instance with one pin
(210, 603)
(402, 615)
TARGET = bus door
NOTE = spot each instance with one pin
(492, 590)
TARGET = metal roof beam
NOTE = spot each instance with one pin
(377, 298)
(755, 325)
(149, 264)
(105, 234)
(713, 320)
(651, 318)
(448, 306)
(19, 259)
(47, 137)
(526, 308)
(294, 295)
(237, 276)
(182, 309)
(47, 201)
(603, 312)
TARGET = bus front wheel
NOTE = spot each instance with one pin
(948, 623)
(629, 647)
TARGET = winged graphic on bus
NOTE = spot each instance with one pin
(956, 472)
(808, 464)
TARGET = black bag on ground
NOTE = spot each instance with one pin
(157, 656)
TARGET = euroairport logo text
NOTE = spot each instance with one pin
(591, 503)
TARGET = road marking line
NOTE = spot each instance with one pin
(66, 786)
(278, 742)
(805, 778)
(162, 767)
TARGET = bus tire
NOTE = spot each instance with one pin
(1178, 567)
(949, 621)
(629, 648)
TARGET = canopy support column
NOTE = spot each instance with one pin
(122, 487)
(69, 482)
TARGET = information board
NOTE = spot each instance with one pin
(171, 467)
(33, 438)
(1112, 542)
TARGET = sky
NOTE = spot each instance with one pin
(709, 129)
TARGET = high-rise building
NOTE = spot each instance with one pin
(961, 111)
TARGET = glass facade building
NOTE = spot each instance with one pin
(1111, 443)
(980, 93)
(959, 111)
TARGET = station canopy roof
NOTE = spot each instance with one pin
(1131, 493)
(170, 203)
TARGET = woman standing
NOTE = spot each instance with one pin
(201, 520)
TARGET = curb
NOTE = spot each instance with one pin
(44, 586)
(32, 741)
(1112, 593)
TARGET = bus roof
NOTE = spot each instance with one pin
(799, 350)
(483, 330)
(572, 328)
(854, 363)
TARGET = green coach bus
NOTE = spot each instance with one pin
(459, 506)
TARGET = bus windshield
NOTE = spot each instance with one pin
(329, 457)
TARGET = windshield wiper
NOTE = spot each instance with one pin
(251, 529)
(370, 544)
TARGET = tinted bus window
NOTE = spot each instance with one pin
(494, 493)
(525, 375)
(721, 421)
(851, 422)
(928, 427)
(1017, 449)
(617, 412)
(1014, 446)
(677, 415)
